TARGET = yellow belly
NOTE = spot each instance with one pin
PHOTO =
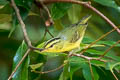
(65, 47)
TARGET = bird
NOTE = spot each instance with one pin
(69, 38)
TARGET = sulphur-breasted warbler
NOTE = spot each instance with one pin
(68, 39)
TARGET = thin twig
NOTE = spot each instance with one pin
(45, 72)
(97, 40)
(47, 10)
(50, 18)
(86, 4)
(25, 55)
(46, 29)
(27, 40)
(49, 32)
(44, 35)
(109, 49)
(89, 58)
(92, 75)
(114, 75)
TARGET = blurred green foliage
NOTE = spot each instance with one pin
(63, 15)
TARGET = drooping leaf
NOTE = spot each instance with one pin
(87, 73)
(75, 63)
(66, 73)
(22, 71)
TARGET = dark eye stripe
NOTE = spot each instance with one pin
(52, 40)
(53, 44)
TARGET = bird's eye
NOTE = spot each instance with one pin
(51, 46)
(86, 23)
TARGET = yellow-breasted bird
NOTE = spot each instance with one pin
(68, 39)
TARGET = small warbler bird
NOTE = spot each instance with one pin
(68, 39)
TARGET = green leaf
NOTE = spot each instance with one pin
(66, 73)
(3, 2)
(87, 40)
(24, 8)
(35, 66)
(83, 46)
(109, 43)
(112, 65)
(58, 25)
(109, 55)
(87, 72)
(74, 13)
(98, 63)
(75, 63)
(5, 18)
(93, 51)
(109, 3)
(15, 22)
(59, 10)
(24, 3)
(5, 26)
(22, 71)
(5, 9)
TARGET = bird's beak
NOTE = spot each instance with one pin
(85, 19)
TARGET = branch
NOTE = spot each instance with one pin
(114, 75)
(88, 58)
(25, 55)
(49, 21)
(97, 40)
(48, 12)
(109, 49)
(49, 32)
(45, 72)
(27, 40)
(86, 4)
